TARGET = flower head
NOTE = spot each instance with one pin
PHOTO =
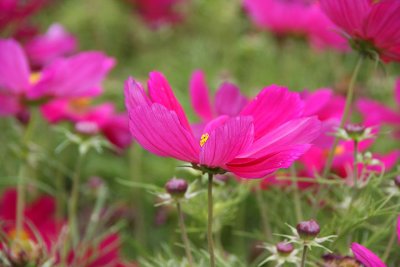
(366, 257)
(176, 187)
(372, 27)
(281, 253)
(268, 134)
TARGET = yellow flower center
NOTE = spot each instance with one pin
(34, 77)
(80, 104)
(203, 139)
(339, 150)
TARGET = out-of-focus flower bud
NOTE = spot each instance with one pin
(176, 187)
(308, 229)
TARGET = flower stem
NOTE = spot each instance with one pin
(264, 216)
(355, 167)
(185, 238)
(349, 100)
(296, 195)
(389, 246)
(303, 258)
(73, 202)
(23, 172)
(210, 221)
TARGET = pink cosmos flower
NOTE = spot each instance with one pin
(157, 13)
(55, 43)
(268, 134)
(366, 257)
(328, 107)
(77, 76)
(16, 11)
(376, 113)
(227, 101)
(39, 218)
(101, 119)
(372, 27)
(295, 18)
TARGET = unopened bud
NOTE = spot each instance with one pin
(397, 181)
(284, 248)
(308, 229)
(176, 187)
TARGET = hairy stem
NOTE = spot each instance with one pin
(185, 238)
(303, 257)
(73, 203)
(210, 221)
(349, 100)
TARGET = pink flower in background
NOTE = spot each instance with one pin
(77, 76)
(227, 101)
(157, 13)
(16, 11)
(101, 119)
(39, 218)
(55, 43)
(373, 27)
(376, 113)
(328, 107)
(268, 134)
(295, 18)
(366, 257)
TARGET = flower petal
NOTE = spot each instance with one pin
(8, 105)
(292, 133)
(366, 257)
(348, 15)
(157, 128)
(200, 96)
(227, 141)
(77, 76)
(160, 92)
(273, 106)
(260, 167)
(14, 68)
(228, 100)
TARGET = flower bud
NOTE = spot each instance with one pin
(308, 229)
(284, 248)
(176, 187)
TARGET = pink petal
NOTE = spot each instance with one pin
(14, 68)
(117, 131)
(376, 113)
(260, 167)
(382, 28)
(56, 111)
(77, 76)
(160, 92)
(200, 96)
(9, 105)
(228, 100)
(316, 101)
(292, 133)
(157, 128)
(273, 106)
(227, 141)
(41, 210)
(348, 15)
(366, 257)
(56, 42)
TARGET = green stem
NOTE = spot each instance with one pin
(210, 221)
(264, 216)
(389, 246)
(349, 100)
(73, 203)
(185, 238)
(23, 172)
(296, 196)
(355, 167)
(304, 256)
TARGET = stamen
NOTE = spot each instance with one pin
(203, 139)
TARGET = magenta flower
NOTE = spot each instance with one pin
(302, 18)
(77, 76)
(366, 257)
(227, 101)
(157, 13)
(376, 113)
(55, 43)
(101, 119)
(372, 27)
(268, 134)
